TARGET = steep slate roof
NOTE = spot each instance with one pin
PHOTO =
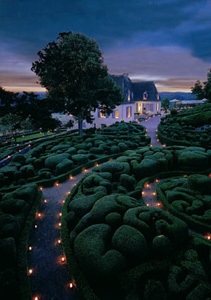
(147, 86)
(137, 89)
(124, 82)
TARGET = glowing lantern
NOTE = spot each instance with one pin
(60, 224)
(30, 271)
(143, 193)
(156, 180)
(59, 241)
(35, 226)
(30, 248)
(154, 193)
(60, 214)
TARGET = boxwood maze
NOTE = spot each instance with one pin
(17, 212)
(127, 250)
(192, 127)
(53, 158)
(190, 199)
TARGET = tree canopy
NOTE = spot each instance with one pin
(24, 112)
(77, 81)
(203, 90)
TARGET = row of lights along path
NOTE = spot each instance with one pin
(47, 268)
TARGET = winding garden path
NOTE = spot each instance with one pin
(47, 267)
(151, 126)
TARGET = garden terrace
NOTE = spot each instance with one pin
(17, 212)
(55, 159)
(120, 248)
(189, 128)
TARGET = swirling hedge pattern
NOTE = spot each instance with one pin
(54, 157)
(115, 237)
(188, 128)
(190, 199)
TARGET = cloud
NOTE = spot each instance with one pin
(153, 38)
(160, 64)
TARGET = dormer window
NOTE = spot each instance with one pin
(145, 96)
(128, 96)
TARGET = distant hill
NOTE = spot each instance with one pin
(177, 95)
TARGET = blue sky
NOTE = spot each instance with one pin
(168, 41)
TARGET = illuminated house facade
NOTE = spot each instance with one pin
(140, 98)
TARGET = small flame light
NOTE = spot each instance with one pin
(39, 215)
(156, 180)
(158, 140)
(30, 248)
(96, 165)
(45, 201)
(147, 204)
(56, 184)
(59, 224)
(8, 156)
(30, 271)
(164, 145)
(36, 298)
(154, 193)
(60, 214)
(71, 177)
(59, 241)
(143, 193)
(72, 284)
(208, 236)
(63, 201)
(159, 204)
(35, 226)
(41, 188)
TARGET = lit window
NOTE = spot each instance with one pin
(116, 114)
(145, 96)
(128, 95)
(128, 111)
(102, 115)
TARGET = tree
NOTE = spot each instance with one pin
(165, 104)
(198, 90)
(7, 101)
(10, 124)
(207, 87)
(74, 75)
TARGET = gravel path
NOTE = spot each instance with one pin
(151, 126)
(149, 194)
(49, 278)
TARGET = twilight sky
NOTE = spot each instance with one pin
(167, 41)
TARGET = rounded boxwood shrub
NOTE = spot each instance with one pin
(54, 160)
(20, 158)
(64, 166)
(127, 181)
(130, 242)
(92, 255)
(80, 159)
(201, 183)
